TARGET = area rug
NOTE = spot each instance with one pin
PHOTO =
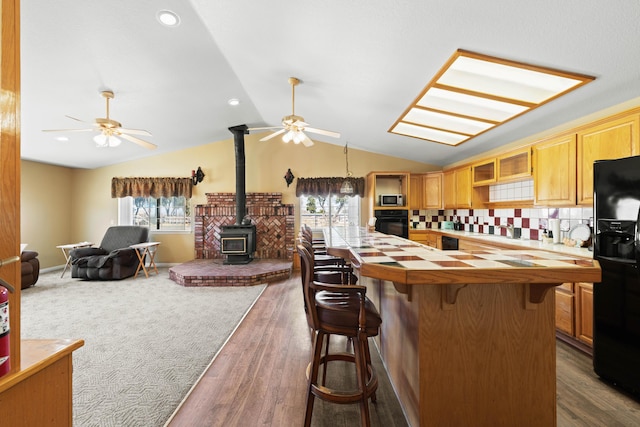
(147, 340)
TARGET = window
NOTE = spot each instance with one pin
(320, 211)
(159, 214)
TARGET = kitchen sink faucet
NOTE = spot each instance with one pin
(510, 230)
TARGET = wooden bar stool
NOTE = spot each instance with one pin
(339, 310)
(326, 267)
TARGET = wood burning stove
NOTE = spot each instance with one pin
(238, 243)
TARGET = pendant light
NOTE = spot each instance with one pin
(347, 187)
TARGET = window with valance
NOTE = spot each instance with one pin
(151, 187)
(162, 204)
(328, 186)
(323, 205)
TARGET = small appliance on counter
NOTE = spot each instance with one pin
(446, 225)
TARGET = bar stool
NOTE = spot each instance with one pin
(339, 310)
(327, 267)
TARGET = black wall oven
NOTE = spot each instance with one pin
(393, 221)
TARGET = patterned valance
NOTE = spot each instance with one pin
(325, 186)
(151, 187)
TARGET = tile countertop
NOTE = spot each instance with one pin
(406, 262)
(515, 243)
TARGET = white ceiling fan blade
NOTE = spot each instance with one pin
(81, 121)
(265, 128)
(306, 141)
(323, 132)
(299, 124)
(273, 135)
(135, 131)
(68, 130)
(140, 142)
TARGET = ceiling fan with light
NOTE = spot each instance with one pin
(293, 127)
(110, 131)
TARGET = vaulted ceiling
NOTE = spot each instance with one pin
(361, 63)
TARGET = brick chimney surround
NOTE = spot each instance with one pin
(274, 223)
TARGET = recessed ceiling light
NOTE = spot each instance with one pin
(61, 138)
(233, 101)
(473, 93)
(168, 18)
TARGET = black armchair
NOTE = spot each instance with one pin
(114, 259)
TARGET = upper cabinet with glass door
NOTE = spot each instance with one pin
(514, 166)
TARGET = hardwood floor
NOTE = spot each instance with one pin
(258, 378)
(585, 400)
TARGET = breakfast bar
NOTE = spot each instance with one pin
(467, 336)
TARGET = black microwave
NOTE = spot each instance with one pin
(391, 200)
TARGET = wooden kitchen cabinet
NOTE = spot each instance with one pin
(610, 140)
(554, 171)
(386, 183)
(457, 188)
(484, 173)
(514, 166)
(416, 189)
(426, 191)
(565, 312)
(463, 187)
(449, 190)
(432, 190)
(574, 313)
(584, 312)
(425, 237)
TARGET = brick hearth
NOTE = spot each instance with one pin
(204, 272)
(275, 240)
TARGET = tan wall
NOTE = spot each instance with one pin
(84, 201)
(46, 205)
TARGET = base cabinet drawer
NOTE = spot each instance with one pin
(565, 311)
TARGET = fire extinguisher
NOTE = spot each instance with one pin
(5, 363)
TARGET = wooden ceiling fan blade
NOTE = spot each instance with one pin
(135, 131)
(140, 142)
(273, 135)
(323, 132)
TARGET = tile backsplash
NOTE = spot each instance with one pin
(528, 223)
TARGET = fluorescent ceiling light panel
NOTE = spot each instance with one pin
(446, 122)
(434, 135)
(469, 105)
(473, 93)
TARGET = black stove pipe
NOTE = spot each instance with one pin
(241, 193)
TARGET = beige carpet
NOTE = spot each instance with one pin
(146, 340)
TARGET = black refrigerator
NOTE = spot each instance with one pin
(616, 299)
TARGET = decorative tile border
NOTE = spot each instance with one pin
(528, 223)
